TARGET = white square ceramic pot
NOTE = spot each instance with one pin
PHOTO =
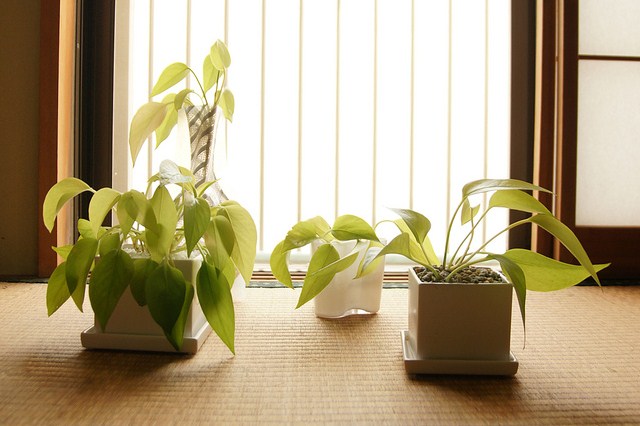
(131, 326)
(455, 321)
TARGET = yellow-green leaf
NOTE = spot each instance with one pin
(468, 212)
(227, 103)
(166, 291)
(545, 274)
(57, 289)
(79, 263)
(350, 227)
(407, 247)
(219, 55)
(278, 261)
(168, 123)
(324, 265)
(210, 74)
(58, 195)
(214, 294)
(109, 280)
(417, 223)
(517, 200)
(101, 203)
(246, 238)
(196, 219)
(567, 238)
(145, 121)
(170, 76)
(486, 185)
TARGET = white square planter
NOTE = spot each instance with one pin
(345, 295)
(459, 328)
(131, 326)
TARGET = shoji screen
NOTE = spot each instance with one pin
(342, 106)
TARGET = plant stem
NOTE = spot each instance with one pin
(486, 243)
(449, 228)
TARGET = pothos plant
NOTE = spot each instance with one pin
(525, 269)
(154, 229)
(325, 262)
(161, 117)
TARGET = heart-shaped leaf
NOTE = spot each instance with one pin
(170, 76)
(324, 265)
(58, 195)
(57, 289)
(278, 261)
(350, 227)
(109, 280)
(165, 292)
(145, 121)
(79, 263)
(214, 293)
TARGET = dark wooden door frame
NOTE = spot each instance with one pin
(556, 145)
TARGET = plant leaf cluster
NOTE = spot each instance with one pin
(161, 117)
(526, 269)
(325, 262)
(158, 228)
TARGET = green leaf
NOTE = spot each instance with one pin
(109, 280)
(227, 103)
(220, 240)
(58, 195)
(219, 55)
(545, 274)
(159, 240)
(63, 251)
(146, 120)
(486, 185)
(85, 229)
(142, 270)
(301, 234)
(100, 205)
(370, 260)
(170, 119)
(429, 252)
(79, 263)
(517, 200)
(109, 242)
(178, 101)
(170, 76)
(177, 333)
(468, 212)
(324, 265)
(405, 246)
(567, 238)
(214, 293)
(517, 277)
(278, 261)
(57, 289)
(210, 74)
(197, 216)
(418, 224)
(134, 206)
(350, 227)
(165, 292)
(246, 238)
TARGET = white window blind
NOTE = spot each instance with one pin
(342, 106)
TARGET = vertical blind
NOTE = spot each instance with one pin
(342, 106)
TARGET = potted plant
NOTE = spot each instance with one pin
(334, 279)
(201, 114)
(175, 256)
(460, 314)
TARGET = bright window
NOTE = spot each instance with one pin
(342, 106)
